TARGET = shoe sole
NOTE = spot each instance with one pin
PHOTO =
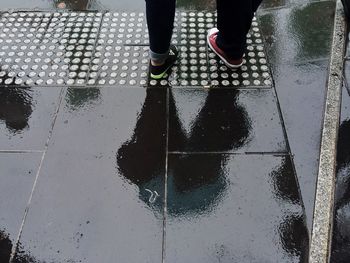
(221, 57)
(161, 75)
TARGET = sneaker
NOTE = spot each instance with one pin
(158, 72)
(231, 63)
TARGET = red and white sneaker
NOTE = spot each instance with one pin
(231, 63)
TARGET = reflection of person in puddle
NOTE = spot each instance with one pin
(5, 247)
(221, 125)
(6, 250)
(341, 229)
(196, 187)
(15, 108)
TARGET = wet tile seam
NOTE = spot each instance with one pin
(16, 243)
(325, 189)
(228, 153)
(167, 105)
(21, 151)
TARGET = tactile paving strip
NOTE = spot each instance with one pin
(121, 65)
(91, 48)
(47, 48)
(254, 72)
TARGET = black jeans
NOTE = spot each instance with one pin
(234, 21)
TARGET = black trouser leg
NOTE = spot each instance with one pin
(160, 20)
(234, 21)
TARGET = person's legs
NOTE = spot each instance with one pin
(234, 21)
(160, 21)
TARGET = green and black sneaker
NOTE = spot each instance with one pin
(158, 72)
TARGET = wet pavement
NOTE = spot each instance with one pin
(341, 231)
(98, 164)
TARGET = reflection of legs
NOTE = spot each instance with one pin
(160, 21)
(222, 124)
(234, 21)
(142, 157)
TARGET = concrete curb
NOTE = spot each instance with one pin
(323, 212)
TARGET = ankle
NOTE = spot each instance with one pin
(157, 63)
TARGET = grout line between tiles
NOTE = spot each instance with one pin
(16, 243)
(228, 153)
(166, 177)
(22, 151)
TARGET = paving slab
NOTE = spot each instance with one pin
(301, 92)
(97, 48)
(294, 35)
(225, 120)
(246, 209)
(298, 49)
(340, 250)
(17, 176)
(100, 192)
(26, 117)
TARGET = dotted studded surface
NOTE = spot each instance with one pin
(47, 48)
(92, 48)
(123, 65)
(254, 72)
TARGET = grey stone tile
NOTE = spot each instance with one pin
(298, 34)
(234, 208)
(100, 192)
(278, 4)
(17, 175)
(26, 117)
(341, 231)
(301, 89)
(224, 120)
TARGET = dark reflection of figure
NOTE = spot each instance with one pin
(341, 228)
(139, 159)
(15, 107)
(293, 230)
(221, 125)
(6, 249)
(194, 186)
(140, 162)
